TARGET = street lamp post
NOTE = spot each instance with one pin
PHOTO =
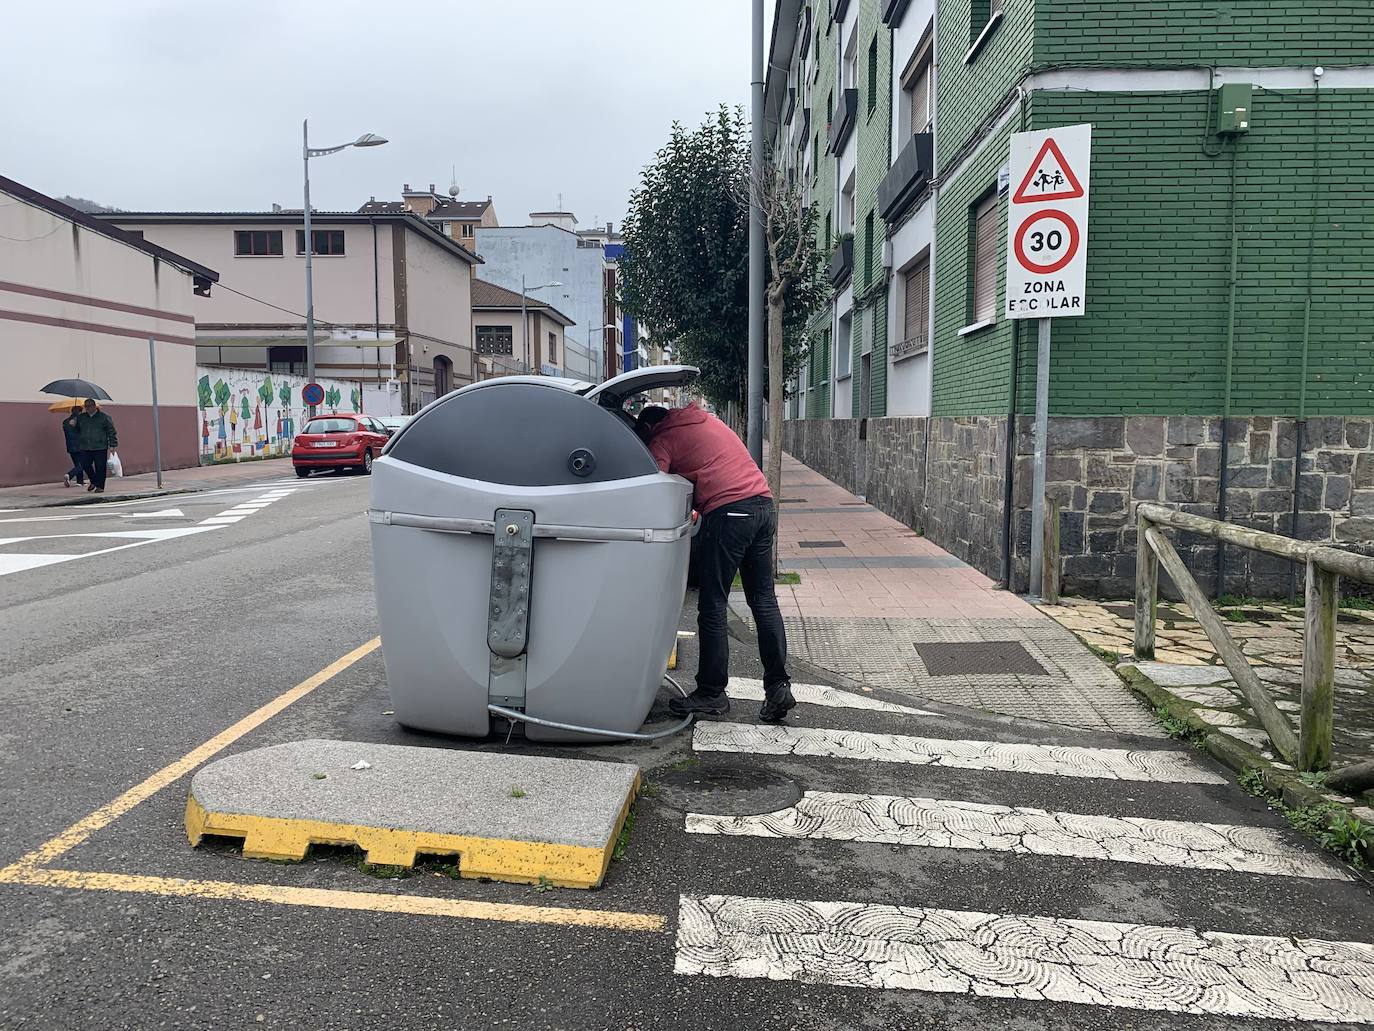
(602, 329)
(367, 139)
(524, 315)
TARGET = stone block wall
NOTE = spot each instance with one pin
(945, 477)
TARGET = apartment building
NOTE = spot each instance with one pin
(393, 297)
(456, 219)
(1223, 363)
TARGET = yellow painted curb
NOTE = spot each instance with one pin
(498, 859)
(672, 658)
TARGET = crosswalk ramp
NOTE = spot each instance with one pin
(1129, 824)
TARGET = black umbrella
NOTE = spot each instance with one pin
(76, 388)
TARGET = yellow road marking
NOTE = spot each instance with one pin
(111, 811)
(322, 898)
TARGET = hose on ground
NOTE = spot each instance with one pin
(514, 716)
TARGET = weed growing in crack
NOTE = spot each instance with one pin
(517, 792)
(622, 841)
(1349, 837)
(1177, 728)
(544, 885)
(1253, 782)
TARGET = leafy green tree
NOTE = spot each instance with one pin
(686, 267)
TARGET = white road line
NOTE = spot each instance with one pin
(220, 520)
(749, 690)
(949, 823)
(1054, 760)
(1089, 962)
(166, 513)
(18, 563)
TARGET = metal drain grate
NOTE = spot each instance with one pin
(975, 658)
(820, 544)
(792, 501)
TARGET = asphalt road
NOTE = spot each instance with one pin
(119, 663)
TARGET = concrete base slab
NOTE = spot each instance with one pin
(515, 818)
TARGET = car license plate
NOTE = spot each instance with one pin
(326, 443)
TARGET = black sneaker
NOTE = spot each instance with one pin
(777, 705)
(702, 703)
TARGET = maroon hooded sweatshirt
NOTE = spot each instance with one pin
(699, 447)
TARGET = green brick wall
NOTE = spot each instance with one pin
(1204, 32)
(972, 373)
(1153, 341)
(969, 92)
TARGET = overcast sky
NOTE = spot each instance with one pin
(183, 105)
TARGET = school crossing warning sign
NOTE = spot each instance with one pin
(1047, 226)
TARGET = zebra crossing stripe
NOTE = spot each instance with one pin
(745, 689)
(1054, 760)
(1089, 962)
(944, 823)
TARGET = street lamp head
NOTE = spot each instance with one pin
(369, 139)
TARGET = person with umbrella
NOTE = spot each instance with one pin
(73, 449)
(95, 434)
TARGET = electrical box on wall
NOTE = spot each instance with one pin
(1233, 108)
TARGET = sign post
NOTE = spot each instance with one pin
(312, 394)
(1047, 265)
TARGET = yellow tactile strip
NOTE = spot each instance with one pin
(498, 859)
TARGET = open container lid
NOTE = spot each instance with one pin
(615, 391)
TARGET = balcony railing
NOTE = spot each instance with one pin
(919, 343)
(908, 176)
(845, 117)
(842, 261)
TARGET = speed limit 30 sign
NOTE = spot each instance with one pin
(1047, 226)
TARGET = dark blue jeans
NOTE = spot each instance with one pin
(739, 538)
(76, 472)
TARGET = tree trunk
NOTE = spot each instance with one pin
(773, 461)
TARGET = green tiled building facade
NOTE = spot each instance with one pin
(1139, 384)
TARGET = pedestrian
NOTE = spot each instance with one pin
(73, 449)
(739, 523)
(95, 435)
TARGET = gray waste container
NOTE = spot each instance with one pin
(528, 553)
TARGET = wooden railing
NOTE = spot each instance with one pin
(1309, 748)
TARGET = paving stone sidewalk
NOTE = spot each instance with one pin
(144, 485)
(1270, 635)
(880, 604)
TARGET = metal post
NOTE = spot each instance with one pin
(1042, 427)
(754, 423)
(157, 428)
(524, 326)
(309, 267)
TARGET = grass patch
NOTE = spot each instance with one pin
(1108, 656)
(689, 763)
(622, 841)
(544, 885)
(1327, 823)
(789, 578)
(1358, 604)
(516, 791)
(385, 871)
(1178, 728)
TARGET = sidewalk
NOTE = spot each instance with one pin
(144, 485)
(882, 605)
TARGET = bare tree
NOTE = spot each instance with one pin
(794, 292)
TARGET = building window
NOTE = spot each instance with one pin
(983, 260)
(289, 360)
(467, 230)
(915, 310)
(257, 243)
(868, 249)
(916, 92)
(553, 348)
(326, 241)
(816, 156)
(873, 74)
(844, 343)
(827, 232)
(495, 340)
(983, 15)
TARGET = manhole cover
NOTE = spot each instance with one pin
(972, 658)
(820, 544)
(725, 789)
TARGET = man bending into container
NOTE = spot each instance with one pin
(739, 523)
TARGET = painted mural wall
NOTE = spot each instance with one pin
(248, 414)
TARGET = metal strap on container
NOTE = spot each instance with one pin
(448, 524)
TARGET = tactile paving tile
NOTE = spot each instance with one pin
(1074, 688)
(944, 660)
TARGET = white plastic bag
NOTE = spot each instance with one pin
(114, 467)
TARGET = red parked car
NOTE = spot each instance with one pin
(338, 442)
